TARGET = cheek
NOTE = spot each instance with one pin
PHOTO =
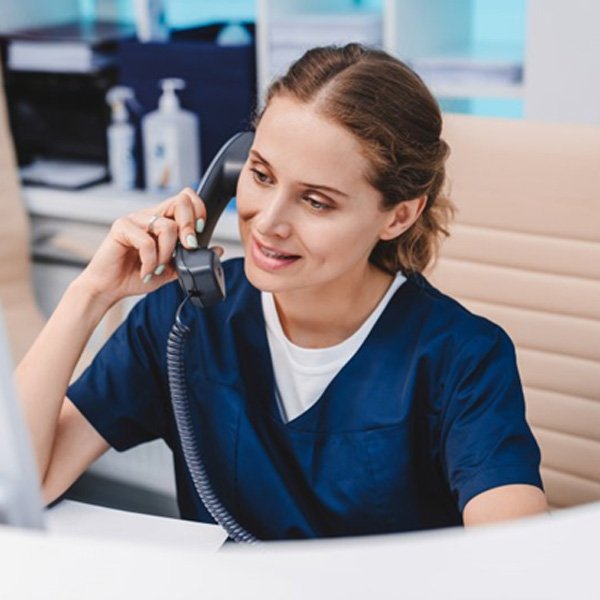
(243, 194)
(246, 200)
(340, 240)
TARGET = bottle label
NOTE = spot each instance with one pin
(162, 174)
(121, 159)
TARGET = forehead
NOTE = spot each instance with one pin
(294, 137)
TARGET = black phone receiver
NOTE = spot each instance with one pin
(199, 271)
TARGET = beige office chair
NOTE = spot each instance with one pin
(22, 316)
(525, 252)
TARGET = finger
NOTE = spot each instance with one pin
(218, 250)
(197, 203)
(188, 211)
(185, 217)
(188, 195)
(126, 232)
(162, 274)
(166, 235)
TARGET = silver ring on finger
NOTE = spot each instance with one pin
(151, 222)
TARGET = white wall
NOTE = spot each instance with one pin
(562, 81)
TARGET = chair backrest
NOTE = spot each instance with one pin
(525, 252)
(23, 317)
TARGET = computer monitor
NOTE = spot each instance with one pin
(20, 495)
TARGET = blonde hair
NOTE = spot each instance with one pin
(390, 110)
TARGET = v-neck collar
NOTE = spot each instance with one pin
(257, 369)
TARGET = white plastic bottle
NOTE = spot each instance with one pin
(171, 143)
(121, 140)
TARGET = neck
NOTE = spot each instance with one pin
(327, 315)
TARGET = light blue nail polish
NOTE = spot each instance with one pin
(159, 270)
(191, 240)
(147, 278)
(200, 225)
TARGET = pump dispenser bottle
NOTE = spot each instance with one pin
(171, 143)
(121, 139)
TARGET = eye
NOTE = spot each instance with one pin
(260, 176)
(316, 204)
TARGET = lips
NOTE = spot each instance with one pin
(271, 253)
(270, 258)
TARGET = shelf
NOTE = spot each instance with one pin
(102, 204)
(448, 43)
(285, 30)
(473, 91)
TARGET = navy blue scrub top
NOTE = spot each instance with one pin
(426, 415)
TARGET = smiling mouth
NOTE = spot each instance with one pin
(272, 254)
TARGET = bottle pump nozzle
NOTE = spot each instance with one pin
(117, 97)
(169, 100)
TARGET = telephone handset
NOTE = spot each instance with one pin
(199, 271)
(201, 277)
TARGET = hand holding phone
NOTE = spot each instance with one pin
(199, 271)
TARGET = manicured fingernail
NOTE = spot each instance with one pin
(147, 278)
(159, 270)
(191, 241)
(200, 225)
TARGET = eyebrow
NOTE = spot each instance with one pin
(316, 186)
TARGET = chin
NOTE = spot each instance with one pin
(266, 282)
(255, 277)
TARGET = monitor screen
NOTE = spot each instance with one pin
(20, 497)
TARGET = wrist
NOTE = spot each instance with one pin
(89, 296)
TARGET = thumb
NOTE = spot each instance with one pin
(218, 250)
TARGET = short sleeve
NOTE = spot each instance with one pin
(486, 441)
(124, 392)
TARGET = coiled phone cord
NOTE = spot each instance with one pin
(183, 420)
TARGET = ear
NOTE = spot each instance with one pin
(402, 217)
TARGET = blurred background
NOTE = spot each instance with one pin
(82, 148)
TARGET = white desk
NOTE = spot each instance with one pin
(541, 558)
(76, 519)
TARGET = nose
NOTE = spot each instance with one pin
(274, 217)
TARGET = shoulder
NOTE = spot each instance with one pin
(447, 320)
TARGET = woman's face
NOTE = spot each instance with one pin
(308, 216)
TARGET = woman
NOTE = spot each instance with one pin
(335, 391)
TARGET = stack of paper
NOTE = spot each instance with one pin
(65, 174)
(476, 73)
(78, 47)
(291, 36)
(466, 70)
(57, 57)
